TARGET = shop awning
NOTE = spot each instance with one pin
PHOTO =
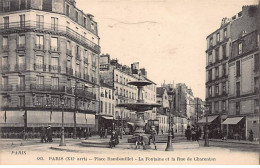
(91, 119)
(108, 117)
(12, 118)
(232, 121)
(81, 118)
(130, 123)
(210, 119)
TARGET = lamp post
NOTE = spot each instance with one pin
(62, 140)
(206, 127)
(169, 142)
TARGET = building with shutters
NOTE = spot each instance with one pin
(232, 93)
(49, 57)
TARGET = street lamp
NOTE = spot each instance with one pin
(62, 140)
(169, 142)
(206, 134)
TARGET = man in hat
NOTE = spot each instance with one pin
(43, 135)
(49, 134)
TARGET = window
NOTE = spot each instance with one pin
(4, 61)
(217, 72)
(256, 84)
(54, 23)
(240, 48)
(101, 106)
(21, 41)
(77, 16)
(224, 51)
(39, 61)
(6, 6)
(69, 63)
(84, 22)
(225, 32)
(211, 41)
(210, 91)
(22, 21)
(238, 68)
(54, 44)
(218, 36)
(67, 10)
(223, 105)
(68, 25)
(224, 70)
(77, 52)
(109, 106)
(39, 42)
(5, 43)
(116, 78)
(217, 54)
(39, 21)
(210, 74)
(22, 101)
(217, 90)
(256, 63)
(54, 83)
(238, 88)
(6, 22)
(223, 88)
(237, 108)
(216, 104)
(54, 64)
(256, 105)
(39, 80)
(77, 70)
(210, 58)
(68, 48)
(21, 60)
(22, 4)
(106, 107)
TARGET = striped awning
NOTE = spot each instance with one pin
(232, 121)
(210, 119)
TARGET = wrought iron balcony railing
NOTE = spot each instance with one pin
(42, 26)
(54, 68)
(39, 46)
(39, 67)
(20, 46)
(6, 87)
(86, 77)
(5, 47)
(20, 87)
(5, 68)
(45, 87)
(20, 67)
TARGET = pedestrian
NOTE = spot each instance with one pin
(188, 133)
(113, 140)
(162, 131)
(43, 135)
(197, 133)
(172, 133)
(193, 134)
(49, 134)
(153, 136)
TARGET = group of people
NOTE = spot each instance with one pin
(114, 140)
(193, 133)
(46, 134)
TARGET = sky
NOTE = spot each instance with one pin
(166, 37)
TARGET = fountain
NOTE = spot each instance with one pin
(139, 107)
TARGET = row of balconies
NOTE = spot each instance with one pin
(216, 79)
(220, 42)
(14, 27)
(80, 92)
(210, 64)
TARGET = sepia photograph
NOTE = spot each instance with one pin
(129, 82)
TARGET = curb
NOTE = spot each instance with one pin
(238, 142)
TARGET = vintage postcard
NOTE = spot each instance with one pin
(129, 82)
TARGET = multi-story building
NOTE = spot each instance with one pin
(49, 60)
(233, 95)
(217, 54)
(118, 76)
(163, 111)
(244, 77)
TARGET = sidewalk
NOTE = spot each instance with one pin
(235, 141)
